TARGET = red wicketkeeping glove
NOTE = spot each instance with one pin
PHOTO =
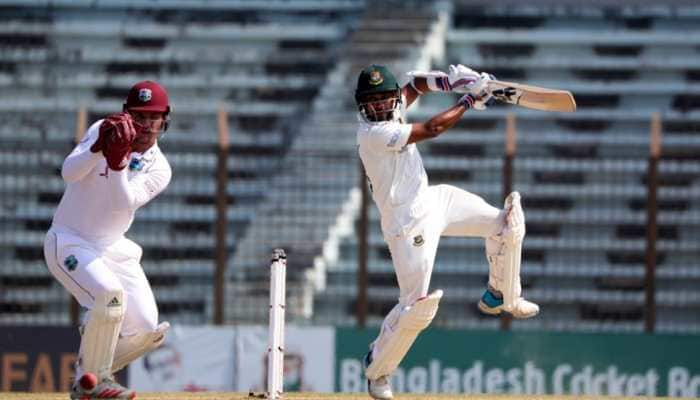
(117, 132)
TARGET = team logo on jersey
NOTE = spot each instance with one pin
(145, 94)
(71, 262)
(375, 78)
(418, 240)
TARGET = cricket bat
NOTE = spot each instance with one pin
(534, 97)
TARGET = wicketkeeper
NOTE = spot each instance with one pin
(414, 215)
(113, 171)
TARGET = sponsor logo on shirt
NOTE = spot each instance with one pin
(394, 139)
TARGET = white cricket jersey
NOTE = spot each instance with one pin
(395, 171)
(99, 203)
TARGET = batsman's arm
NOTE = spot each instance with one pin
(410, 94)
(440, 123)
(460, 79)
(421, 84)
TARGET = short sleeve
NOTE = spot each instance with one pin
(388, 136)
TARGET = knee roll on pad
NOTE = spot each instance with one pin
(515, 218)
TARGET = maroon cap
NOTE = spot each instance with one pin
(147, 96)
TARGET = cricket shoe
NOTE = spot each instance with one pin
(491, 303)
(87, 388)
(380, 388)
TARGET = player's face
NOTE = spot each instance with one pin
(152, 122)
(380, 106)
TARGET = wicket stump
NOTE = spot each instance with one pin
(275, 349)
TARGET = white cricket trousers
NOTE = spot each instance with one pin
(452, 212)
(86, 269)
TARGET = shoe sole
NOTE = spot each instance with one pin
(489, 310)
(525, 316)
(498, 310)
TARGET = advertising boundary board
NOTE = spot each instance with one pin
(39, 358)
(460, 361)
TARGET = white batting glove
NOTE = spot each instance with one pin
(463, 79)
(484, 98)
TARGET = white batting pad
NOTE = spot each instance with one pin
(132, 347)
(504, 253)
(513, 240)
(99, 340)
(412, 321)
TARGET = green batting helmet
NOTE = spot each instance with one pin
(375, 79)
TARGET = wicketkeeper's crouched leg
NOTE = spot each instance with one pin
(101, 333)
(132, 347)
(503, 252)
(140, 333)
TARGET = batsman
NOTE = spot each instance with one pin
(414, 215)
(116, 168)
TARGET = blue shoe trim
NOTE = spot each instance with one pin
(491, 300)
